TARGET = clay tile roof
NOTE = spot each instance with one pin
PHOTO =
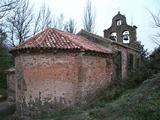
(54, 38)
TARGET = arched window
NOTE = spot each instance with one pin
(126, 38)
(119, 22)
(113, 36)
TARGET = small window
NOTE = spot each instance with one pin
(119, 22)
(126, 38)
(113, 36)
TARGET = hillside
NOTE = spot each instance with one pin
(142, 103)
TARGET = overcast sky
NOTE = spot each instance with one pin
(134, 10)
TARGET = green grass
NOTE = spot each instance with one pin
(142, 103)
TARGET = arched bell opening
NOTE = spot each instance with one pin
(126, 38)
(113, 36)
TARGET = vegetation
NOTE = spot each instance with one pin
(5, 62)
(89, 17)
(140, 103)
(154, 62)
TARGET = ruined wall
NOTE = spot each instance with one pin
(125, 52)
(49, 82)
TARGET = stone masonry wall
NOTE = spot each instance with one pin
(45, 80)
(124, 59)
(49, 82)
(97, 74)
(11, 82)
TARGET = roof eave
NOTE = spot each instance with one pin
(15, 52)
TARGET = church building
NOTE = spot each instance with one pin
(55, 69)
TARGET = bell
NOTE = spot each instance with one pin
(113, 38)
(125, 37)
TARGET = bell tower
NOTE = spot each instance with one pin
(121, 32)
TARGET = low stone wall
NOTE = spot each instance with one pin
(11, 85)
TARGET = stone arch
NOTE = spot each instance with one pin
(113, 36)
(119, 22)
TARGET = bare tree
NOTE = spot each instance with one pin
(70, 26)
(89, 17)
(156, 22)
(59, 22)
(19, 23)
(36, 24)
(43, 20)
(46, 18)
(11, 32)
(2, 38)
(7, 5)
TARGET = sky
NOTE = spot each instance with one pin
(135, 11)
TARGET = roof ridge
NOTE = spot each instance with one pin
(98, 45)
(94, 35)
(45, 41)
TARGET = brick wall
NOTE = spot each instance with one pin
(49, 82)
(96, 76)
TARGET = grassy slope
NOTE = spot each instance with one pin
(142, 103)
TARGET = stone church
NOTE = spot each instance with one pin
(55, 69)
